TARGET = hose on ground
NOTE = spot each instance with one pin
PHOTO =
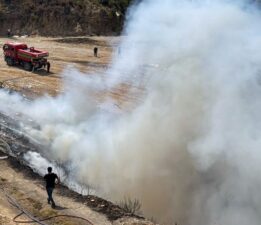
(13, 202)
(51, 217)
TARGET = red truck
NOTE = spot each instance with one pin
(30, 58)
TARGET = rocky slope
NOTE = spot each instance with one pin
(62, 17)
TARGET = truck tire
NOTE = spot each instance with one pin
(28, 66)
(9, 61)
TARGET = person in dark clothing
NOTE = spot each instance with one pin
(50, 179)
(48, 67)
(8, 32)
(95, 52)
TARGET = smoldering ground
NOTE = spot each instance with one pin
(190, 150)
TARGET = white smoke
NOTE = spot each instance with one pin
(37, 162)
(190, 149)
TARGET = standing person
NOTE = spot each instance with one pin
(48, 67)
(95, 52)
(50, 179)
(9, 32)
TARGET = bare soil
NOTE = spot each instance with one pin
(29, 192)
(64, 52)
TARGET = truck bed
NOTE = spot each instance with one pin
(31, 53)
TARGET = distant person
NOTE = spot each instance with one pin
(50, 179)
(95, 52)
(8, 32)
(48, 67)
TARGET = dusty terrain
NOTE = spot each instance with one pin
(77, 52)
(64, 52)
(20, 182)
(28, 190)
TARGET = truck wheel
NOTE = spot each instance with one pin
(9, 61)
(28, 66)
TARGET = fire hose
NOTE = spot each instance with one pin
(14, 203)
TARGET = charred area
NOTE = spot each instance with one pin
(18, 144)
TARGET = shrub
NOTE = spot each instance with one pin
(131, 206)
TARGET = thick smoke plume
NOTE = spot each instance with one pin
(190, 149)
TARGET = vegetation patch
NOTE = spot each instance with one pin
(63, 17)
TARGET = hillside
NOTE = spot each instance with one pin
(62, 17)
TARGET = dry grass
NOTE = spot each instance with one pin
(131, 206)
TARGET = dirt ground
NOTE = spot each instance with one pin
(64, 52)
(76, 52)
(27, 190)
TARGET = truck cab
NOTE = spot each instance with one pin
(10, 52)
